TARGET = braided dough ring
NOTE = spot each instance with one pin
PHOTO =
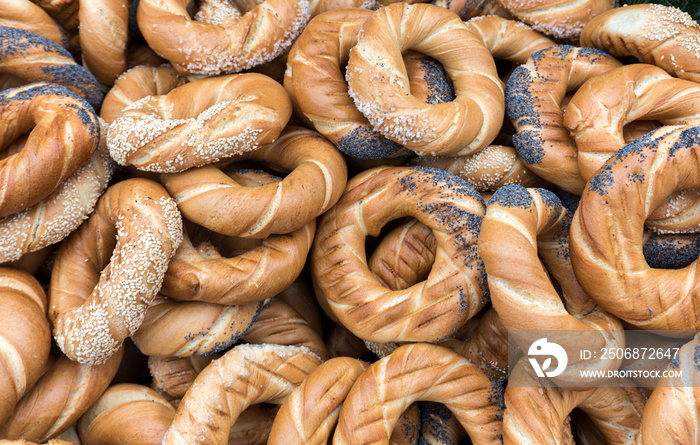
(606, 246)
(415, 372)
(103, 36)
(222, 38)
(245, 375)
(661, 35)
(171, 133)
(382, 93)
(561, 19)
(94, 310)
(59, 398)
(25, 336)
(318, 174)
(534, 95)
(59, 214)
(64, 134)
(201, 269)
(519, 284)
(34, 58)
(426, 311)
(26, 15)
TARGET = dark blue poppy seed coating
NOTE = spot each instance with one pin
(671, 251)
(363, 142)
(16, 43)
(465, 9)
(74, 103)
(497, 395)
(689, 137)
(569, 200)
(434, 420)
(439, 86)
(696, 354)
(512, 196)
(227, 343)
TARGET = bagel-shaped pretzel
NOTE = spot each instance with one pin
(25, 336)
(34, 58)
(200, 122)
(245, 375)
(534, 95)
(55, 217)
(318, 174)
(132, 234)
(416, 372)
(606, 245)
(59, 398)
(64, 134)
(202, 269)
(429, 310)
(126, 413)
(223, 38)
(26, 15)
(664, 36)
(561, 19)
(380, 89)
(184, 328)
(311, 411)
(137, 83)
(598, 111)
(519, 283)
(103, 36)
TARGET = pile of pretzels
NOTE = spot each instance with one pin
(317, 221)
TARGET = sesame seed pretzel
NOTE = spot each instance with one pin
(34, 58)
(420, 371)
(606, 248)
(199, 123)
(64, 133)
(224, 37)
(380, 89)
(427, 311)
(661, 35)
(227, 270)
(25, 336)
(534, 95)
(316, 179)
(132, 234)
(245, 375)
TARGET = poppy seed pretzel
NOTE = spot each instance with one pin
(427, 311)
(132, 234)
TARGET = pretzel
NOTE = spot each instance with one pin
(515, 216)
(184, 328)
(670, 251)
(534, 93)
(171, 133)
(415, 372)
(103, 36)
(34, 58)
(316, 180)
(563, 20)
(126, 413)
(467, 9)
(430, 310)
(537, 413)
(64, 134)
(245, 375)
(281, 324)
(657, 34)
(59, 398)
(28, 16)
(52, 219)
(137, 83)
(25, 335)
(173, 376)
(93, 311)
(465, 125)
(640, 175)
(223, 37)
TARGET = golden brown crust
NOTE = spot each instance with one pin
(427, 311)
(222, 38)
(27, 15)
(172, 376)
(661, 35)
(199, 123)
(103, 36)
(132, 234)
(386, 101)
